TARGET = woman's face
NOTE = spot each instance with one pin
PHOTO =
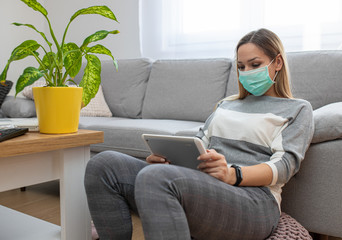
(250, 57)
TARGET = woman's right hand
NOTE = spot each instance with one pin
(156, 159)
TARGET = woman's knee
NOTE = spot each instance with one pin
(159, 178)
(151, 173)
(111, 165)
(99, 165)
(100, 161)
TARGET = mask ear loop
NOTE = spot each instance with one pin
(271, 62)
(275, 76)
(273, 80)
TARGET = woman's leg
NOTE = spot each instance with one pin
(176, 203)
(109, 182)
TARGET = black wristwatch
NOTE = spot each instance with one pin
(238, 173)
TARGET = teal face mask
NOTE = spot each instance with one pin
(257, 81)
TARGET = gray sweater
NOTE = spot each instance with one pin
(275, 131)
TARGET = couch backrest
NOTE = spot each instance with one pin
(124, 90)
(185, 89)
(316, 76)
(232, 86)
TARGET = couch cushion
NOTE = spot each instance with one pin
(124, 135)
(18, 107)
(328, 122)
(124, 89)
(185, 89)
(316, 76)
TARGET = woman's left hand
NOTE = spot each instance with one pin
(215, 165)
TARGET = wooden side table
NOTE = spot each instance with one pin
(36, 158)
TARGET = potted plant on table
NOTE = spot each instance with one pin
(58, 67)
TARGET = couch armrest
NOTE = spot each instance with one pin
(313, 196)
(328, 122)
(18, 107)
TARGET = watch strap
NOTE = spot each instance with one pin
(238, 173)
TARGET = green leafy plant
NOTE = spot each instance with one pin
(62, 64)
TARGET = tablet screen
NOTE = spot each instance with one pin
(182, 151)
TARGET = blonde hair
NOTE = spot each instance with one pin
(272, 46)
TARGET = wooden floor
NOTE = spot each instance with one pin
(42, 201)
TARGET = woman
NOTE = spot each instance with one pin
(256, 141)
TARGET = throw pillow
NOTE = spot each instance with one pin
(18, 107)
(27, 92)
(97, 107)
(328, 122)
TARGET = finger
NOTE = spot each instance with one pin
(158, 162)
(213, 163)
(205, 157)
(161, 160)
(215, 172)
(217, 175)
(211, 154)
(155, 159)
(211, 150)
(210, 169)
(206, 164)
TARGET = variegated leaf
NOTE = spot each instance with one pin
(91, 79)
(3, 75)
(25, 49)
(100, 49)
(49, 61)
(99, 35)
(29, 76)
(35, 6)
(101, 10)
(34, 28)
(72, 59)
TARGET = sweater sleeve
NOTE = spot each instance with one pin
(290, 145)
(203, 131)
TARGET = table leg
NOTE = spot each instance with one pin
(75, 216)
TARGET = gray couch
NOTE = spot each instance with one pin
(176, 96)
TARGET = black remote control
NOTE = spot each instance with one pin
(9, 133)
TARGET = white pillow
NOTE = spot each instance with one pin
(27, 92)
(97, 107)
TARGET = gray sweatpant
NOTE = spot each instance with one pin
(173, 202)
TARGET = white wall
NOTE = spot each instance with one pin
(12, 36)
(123, 45)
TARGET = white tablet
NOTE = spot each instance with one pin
(178, 150)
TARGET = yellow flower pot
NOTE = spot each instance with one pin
(58, 108)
